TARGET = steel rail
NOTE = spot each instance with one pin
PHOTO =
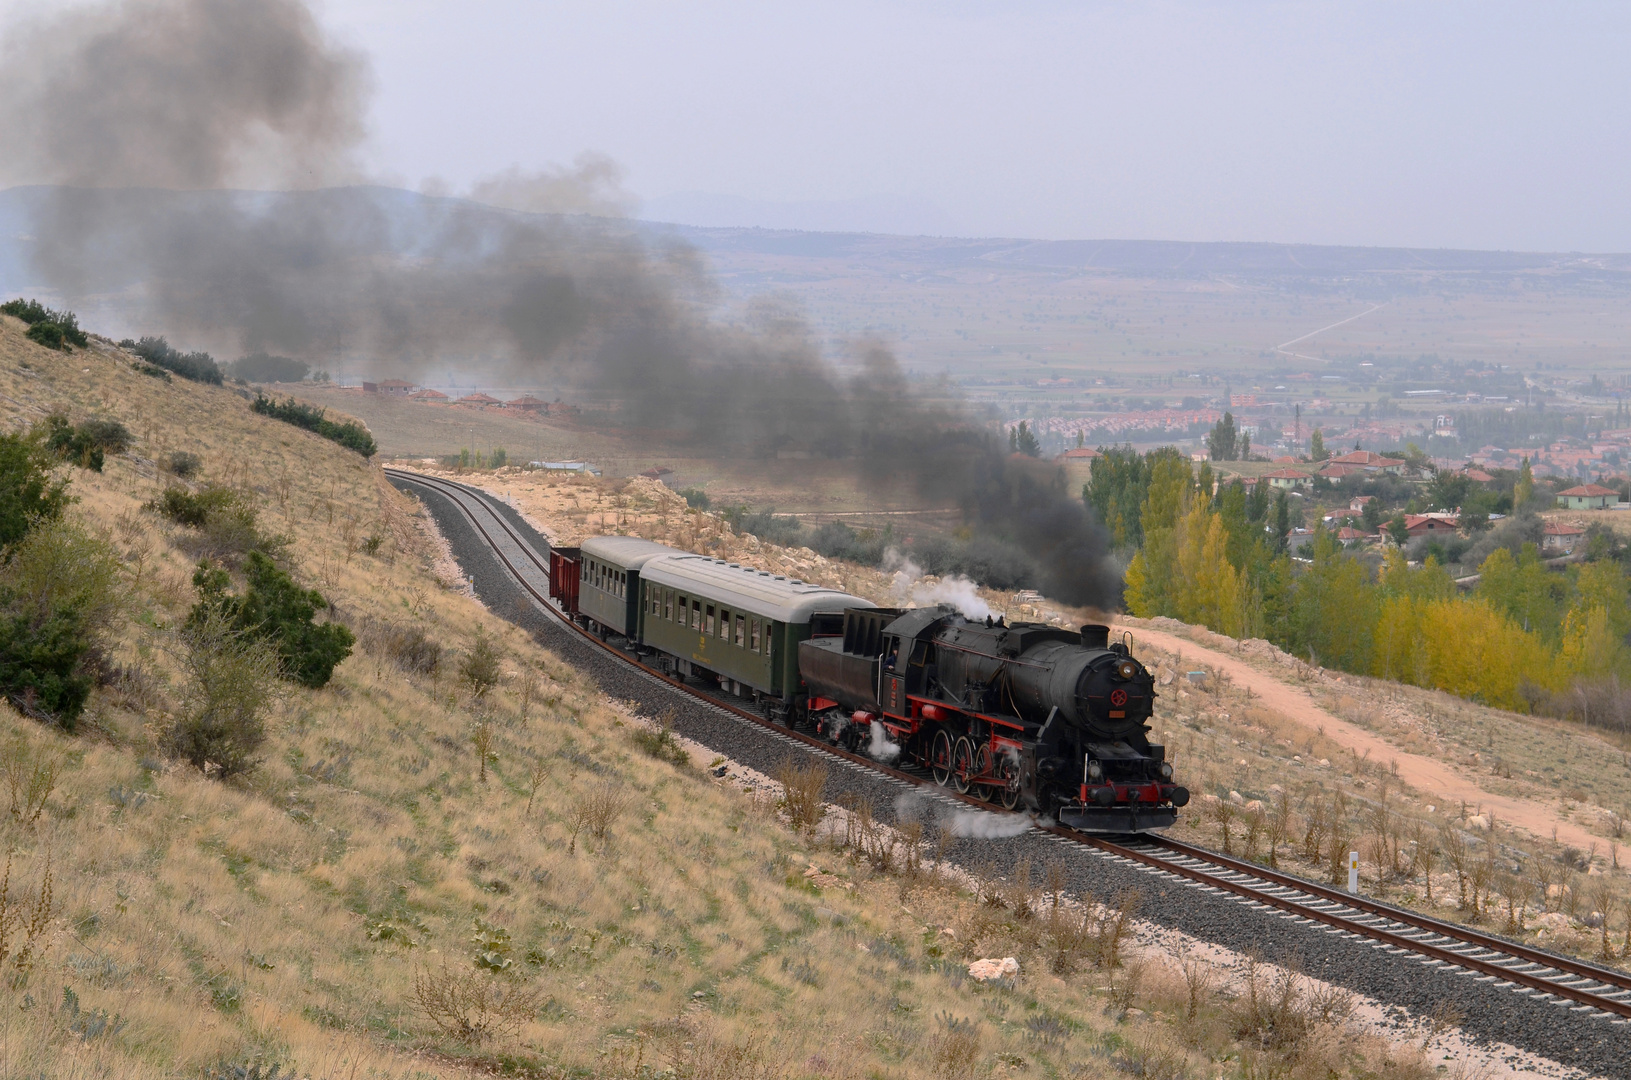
(1265, 886)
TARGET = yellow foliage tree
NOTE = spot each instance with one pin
(1592, 648)
(1206, 588)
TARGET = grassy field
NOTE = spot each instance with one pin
(421, 882)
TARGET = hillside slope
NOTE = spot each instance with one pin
(420, 880)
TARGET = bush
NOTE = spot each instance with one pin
(42, 663)
(660, 742)
(351, 435)
(182, 463)
(60, 566)
(276, 610)
(413, 650)
(86, 444)
(194, 508)
(27, 492)
(230, 682)
(197, 366)
(695, 498)
(50, 328)
(47, 334)
(263, 367)
(480, 669)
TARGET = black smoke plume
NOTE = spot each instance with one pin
(143, 115)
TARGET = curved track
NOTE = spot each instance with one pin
(1582, 987)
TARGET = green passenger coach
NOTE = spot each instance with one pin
(735, 623)
(609, 582)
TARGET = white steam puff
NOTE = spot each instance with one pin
(970, 824)
(958, 591)
(979, 825)
(880, 747)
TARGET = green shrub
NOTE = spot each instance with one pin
(42, 669)
(27, 492)
(695, 498)
(500, 458)
(194, 508)
(110, 435)
(62, 590)
(480, 670)
(351, 435)
(263, 367)
(230, 682)
(60, 565)
(47, 334)
(279, 612)
(50, 328)
(86, 444)
(182, 463)
(197, 366)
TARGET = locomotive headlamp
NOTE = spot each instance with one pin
(1094, 771)
(1166, 770)
(1126, 669)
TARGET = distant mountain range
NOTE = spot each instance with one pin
(403, 209)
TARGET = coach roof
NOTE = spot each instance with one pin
(742, 588)
(625, 552)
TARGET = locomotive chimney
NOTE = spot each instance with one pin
(1095, 636)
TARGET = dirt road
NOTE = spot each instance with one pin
(1435, 779)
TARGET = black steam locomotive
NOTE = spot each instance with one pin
(1028, 714)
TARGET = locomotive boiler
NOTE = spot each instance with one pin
(1025, 714)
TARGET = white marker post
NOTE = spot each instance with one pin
(1353, 871)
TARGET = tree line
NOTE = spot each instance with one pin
(1525, 637)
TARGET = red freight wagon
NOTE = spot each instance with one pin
(564, 571)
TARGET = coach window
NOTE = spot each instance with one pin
(668, 604)
(753, 640)
(708, 627)
(696, 614)
(724, 624)
(741, 624)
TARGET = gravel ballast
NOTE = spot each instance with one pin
(1496, 1014)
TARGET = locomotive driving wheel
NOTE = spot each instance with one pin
(940, 757)
(962, 765)
(1008, 794)
(982, 767)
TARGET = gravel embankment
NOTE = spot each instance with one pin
(1496, 1014)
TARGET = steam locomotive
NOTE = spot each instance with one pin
(1023, 715)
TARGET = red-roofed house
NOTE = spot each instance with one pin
(1080, 453)
(1560, 537)
(1478, 476)
(428, 394)
(1431, 524)
(1371, 461)
(1286, 479)
(479, 399)
(1588, 497)
(1358, 502)
(1334, 470)
(400, 387)
(1348, 535)
(528, 403)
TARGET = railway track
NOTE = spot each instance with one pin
(1584, 988)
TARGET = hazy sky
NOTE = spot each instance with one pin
(1491, 125)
